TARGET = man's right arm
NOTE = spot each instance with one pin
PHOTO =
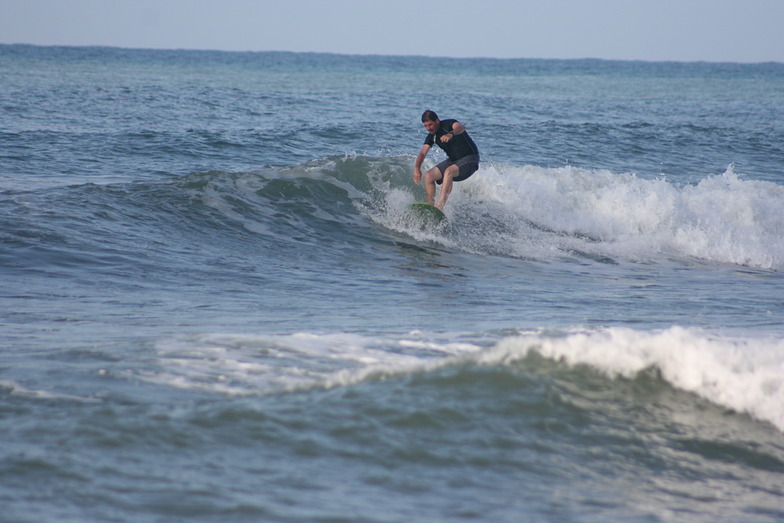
(418, 164)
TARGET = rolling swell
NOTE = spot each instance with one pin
(215, 211)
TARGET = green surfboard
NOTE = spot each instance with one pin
(427, 214)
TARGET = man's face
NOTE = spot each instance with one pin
(431, 126)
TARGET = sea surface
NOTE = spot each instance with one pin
(215, 306)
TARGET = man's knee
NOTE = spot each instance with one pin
(433, 175)
(451, 171)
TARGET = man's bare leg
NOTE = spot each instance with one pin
(446, 185)
(431, 177)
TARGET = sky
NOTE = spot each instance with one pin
(651, 30)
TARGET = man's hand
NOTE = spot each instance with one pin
(457, 128)
(417, 175)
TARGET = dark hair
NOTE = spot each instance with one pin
(429, 116)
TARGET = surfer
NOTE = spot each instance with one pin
(462, 153)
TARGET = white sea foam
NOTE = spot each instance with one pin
(741, 373)
(248, 365)
(542, 211)
(17, 389)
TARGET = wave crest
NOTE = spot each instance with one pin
(536, 212)
(740, 373)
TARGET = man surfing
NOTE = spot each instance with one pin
(462, 153)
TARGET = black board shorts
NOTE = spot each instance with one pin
(467, 165)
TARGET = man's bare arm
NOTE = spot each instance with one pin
(418, 164)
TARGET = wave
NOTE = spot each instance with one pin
(740, 373)
(743, 374)
(530, 212)
(353, 202)
(536, 212)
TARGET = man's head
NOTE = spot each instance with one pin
(431, 121)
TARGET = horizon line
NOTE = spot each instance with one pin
(393, 55)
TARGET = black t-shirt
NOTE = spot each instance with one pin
(456, 148)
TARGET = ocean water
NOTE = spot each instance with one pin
(214, 306)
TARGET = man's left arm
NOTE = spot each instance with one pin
(457, 128)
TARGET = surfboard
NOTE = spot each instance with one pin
(427, 214)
